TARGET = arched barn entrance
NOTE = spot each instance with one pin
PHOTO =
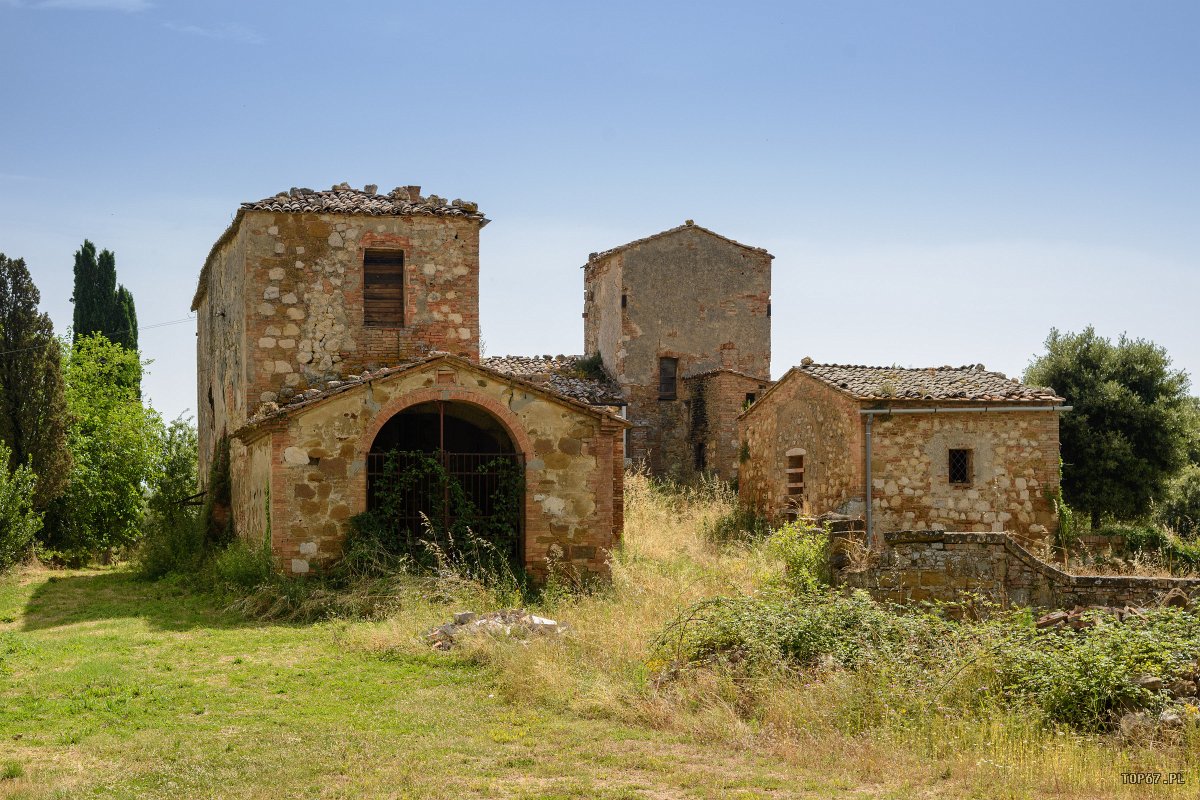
(448, 473)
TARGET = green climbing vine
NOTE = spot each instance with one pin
(452, 524)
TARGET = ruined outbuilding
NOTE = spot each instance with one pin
(946, 448)
(337, 326)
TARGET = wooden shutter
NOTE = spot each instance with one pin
(667, 371)
(383, 288)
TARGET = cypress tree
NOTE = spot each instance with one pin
(33, 416)
(127, 319)
(101, 305)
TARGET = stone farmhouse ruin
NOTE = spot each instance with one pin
(959, 449)
(338, 327)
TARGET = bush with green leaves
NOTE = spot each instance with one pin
(1180, 511)
(1160, 544)
(804, 552)
(1131, 426)
(1083, 678)
(19, 523)
(172, 538)
(113, 440)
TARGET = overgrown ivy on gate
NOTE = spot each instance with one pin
(458, 505)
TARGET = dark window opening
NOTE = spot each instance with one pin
(668, 369)
(768, 309)
(750, 397)
(624, 300)
(383, 288)
(960, 466)
(701, 457)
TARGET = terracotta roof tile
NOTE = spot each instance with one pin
(341, 199)
(561, 373)
(300, 400)
(933, 383)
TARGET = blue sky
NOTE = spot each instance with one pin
(940, 182)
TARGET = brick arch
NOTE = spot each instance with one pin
(455, 394)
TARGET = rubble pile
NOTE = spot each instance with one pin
(516, 624)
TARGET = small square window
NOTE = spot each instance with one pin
(668, 369)
(961, 467)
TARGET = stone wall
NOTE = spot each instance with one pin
(1015, 471)
(283, 306)
(716, 399)
(1014, 461)
(573, 459)
(802, 414)
(250, 484)
(915, 566)
(688, 294)
(221, 401)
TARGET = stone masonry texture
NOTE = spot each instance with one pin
(1014, 461)
(686, 293)
(915, 566)
(282, 308)
(302, 471)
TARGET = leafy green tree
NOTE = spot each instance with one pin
(114, 440)
(173, 539)
(33, 416)
(1129, 432)
(18, 521)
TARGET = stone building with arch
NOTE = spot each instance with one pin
(337, 326)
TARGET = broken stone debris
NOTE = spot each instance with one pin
(516, 624)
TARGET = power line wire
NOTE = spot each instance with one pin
(110, 334)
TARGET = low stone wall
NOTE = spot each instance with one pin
(912, 566)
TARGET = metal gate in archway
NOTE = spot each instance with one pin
(447, 472)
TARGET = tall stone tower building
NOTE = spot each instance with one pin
(307, 287)
(682, 322)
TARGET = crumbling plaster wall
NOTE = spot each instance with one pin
(690, 295)
(220, 351)
(1015, 467)
(250, 483)
(573, 467)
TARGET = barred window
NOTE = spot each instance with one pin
(961, 468)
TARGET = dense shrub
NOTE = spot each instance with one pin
(172, 539)
(1181, 510)
(739, 524)
(242, 565)
(804, 553)
(1158, 543)
(779, 629)
(19, 523)
(1083, 678)
(1086, 678)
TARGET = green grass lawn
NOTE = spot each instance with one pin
(114, 687)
